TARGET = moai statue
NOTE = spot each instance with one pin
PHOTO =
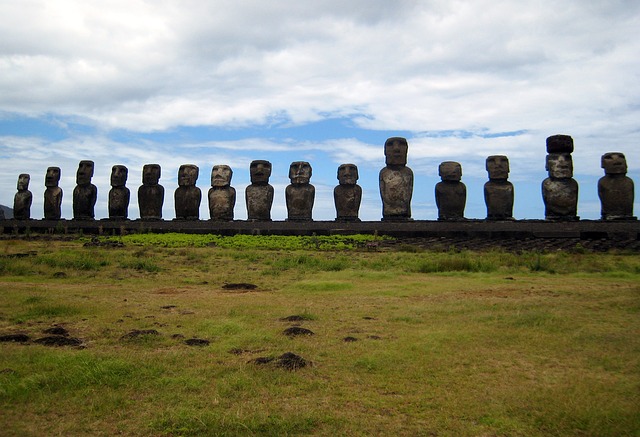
(187, 196)
(222, 196)
(23, 198)
(615, 189)
(85, 193)
(52, 194)
(259, 195)
(348, 195)
(396, 181)
(300, 194)
(119, 194)
(498, 192)
(451, 194)
(150, 193)
(560, 190)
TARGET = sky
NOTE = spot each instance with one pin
(210, 82)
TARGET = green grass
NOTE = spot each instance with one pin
(447, 343)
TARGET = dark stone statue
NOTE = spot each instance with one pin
(396, 181)
(498, 192)
(560, 190)
(119, 194)
(259, 195)
(187, 196)
(348, 194)
(52, 194)
(300, 194)
(23, 198)
(85, 193)
(451, 194)
(222, 196)
(615, 189)
(151, 193)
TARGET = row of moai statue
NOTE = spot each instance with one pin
(559, 190)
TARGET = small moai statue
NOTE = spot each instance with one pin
(498, 191)
(615, 188)
(222, 196)
(52, 194)
(23, 198)
(300, 194)
(187, 196)
(151, 193)
(347, 196)
(119, 194)
(451, 194)
(560, 190)
(396, 181)
(259, 195)
(85, 193)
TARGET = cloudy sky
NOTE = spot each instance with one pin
(226, 82)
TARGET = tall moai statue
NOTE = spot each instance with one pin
(119, 194)
(222, 196)
(347, 196)
(52, 194)
(451, 193)
(187, 196)
(85, 193)
(615, 188)
(259, 195)
(23, 198)
(560, 190)
(396, 181)
(498, 191)
(151, 193)
(300, 194)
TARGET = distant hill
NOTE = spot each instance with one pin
(6, 212)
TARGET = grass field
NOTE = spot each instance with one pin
(409, 342)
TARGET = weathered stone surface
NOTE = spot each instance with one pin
(222, 197)
(259, 195)
(52, 194)
(396, 181)
(559, 144)
(151, 193)
(85, 194)
(498, 191)
(300, 194)
(347, 196)
(560, 190)
(187, 196)
(451, 194)
(615, 189)
(22, 199)
(119, 194)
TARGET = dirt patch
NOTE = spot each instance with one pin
(294, 318)
(56, 330)
(59, 275)
(197, 342)
(238, 351)
(168, 307)
(16, 338)
(59, 340)
(349, 339)
(240, 286)
(295, 331)
(288, 360)
(138, 333)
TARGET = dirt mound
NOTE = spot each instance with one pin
(295, 331)
(239, 286)
(197, 342)
(17, 338)
(294, 318)
(349, 339)
(56, 330)
(59, 340)
(288, 360)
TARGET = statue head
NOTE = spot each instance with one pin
(23, 181)
(498, 167)
(119, 175)
(559, 165)
(450, 171)
(52, 178)
(395, 151)
(260, 171)
(188, 175)
(150, 174)
(300, 172)
(348, 174)
(84, 173)
(221, 176)
(614, 163)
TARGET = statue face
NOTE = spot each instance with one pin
(450, 171)
(150, 174)
(560, 165)
(221, 176)
(347, 174)
(395, 151)
(52, 178)
(187, 175)
(260, 172)
(614, 163)
(498, 167)
(23, 182)
(84, 173)
(300, 172)
(119, 175)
